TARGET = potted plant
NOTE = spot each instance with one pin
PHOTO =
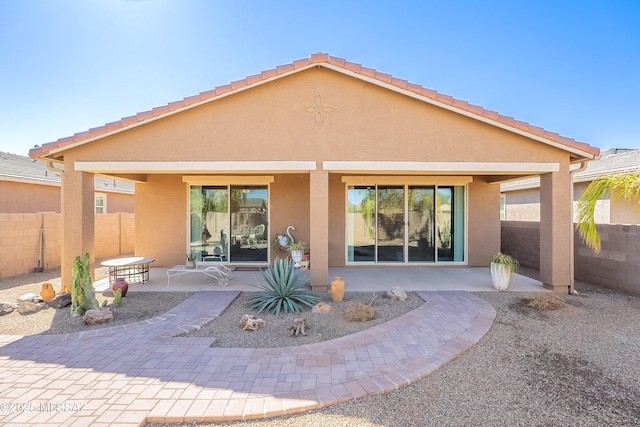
(502, 267)
(281, 240)
(296, 250)
(191, 260)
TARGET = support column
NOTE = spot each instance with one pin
(556, 228)
(319, 228)
(78, 208)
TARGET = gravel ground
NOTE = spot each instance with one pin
(136, 306)
(577, 366)
(143, 305)
(319, 326)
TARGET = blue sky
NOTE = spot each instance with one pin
(572, 67)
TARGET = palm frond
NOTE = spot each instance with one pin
(626, 186)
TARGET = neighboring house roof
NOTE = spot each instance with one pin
(252, 203)
(52, 150)
(16, 168)
(611, 161)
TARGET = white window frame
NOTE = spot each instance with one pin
(98, 196)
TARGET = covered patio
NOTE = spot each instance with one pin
(369, 279)
(375, 173)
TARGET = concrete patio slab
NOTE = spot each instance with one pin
(357, 279)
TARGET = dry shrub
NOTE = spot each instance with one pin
(359, 312)
(549, 301)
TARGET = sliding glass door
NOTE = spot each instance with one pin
(390, 224)
(361, 206)
(229, 223)
(421, 230)
(405, 224)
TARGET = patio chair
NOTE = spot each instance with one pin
(257, 234)
(241, 234)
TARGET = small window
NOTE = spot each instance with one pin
(101, 203)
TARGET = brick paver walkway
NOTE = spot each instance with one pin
(143, 372)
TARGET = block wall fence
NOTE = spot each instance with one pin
(616, 266)
(20, 239)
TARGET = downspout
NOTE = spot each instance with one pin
(572, 260)
(52, 168)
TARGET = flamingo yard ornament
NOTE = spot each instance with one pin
(283, 240)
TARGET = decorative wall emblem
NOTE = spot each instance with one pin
(319, 110)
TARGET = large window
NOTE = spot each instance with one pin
(405, 224)
(229, 223)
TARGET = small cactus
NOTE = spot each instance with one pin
(117, 300)
(82, 295)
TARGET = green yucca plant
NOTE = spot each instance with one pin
(626, 186)
(283, 290)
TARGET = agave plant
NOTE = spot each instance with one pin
(283, 290)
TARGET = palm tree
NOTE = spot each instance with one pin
(626, 186)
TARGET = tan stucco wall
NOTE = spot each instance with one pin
(269, 122)
(625, 212)
(289, 205)
(161, 220)
(484, 222)
(524, 205)
(119, 202)
(20, 197)
(337, 213)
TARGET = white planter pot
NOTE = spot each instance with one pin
(501, 276)
(296, 256)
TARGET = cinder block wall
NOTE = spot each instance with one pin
(521, 239)
(616, 266)
(20, 239)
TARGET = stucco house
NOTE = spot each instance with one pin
(27, 186)
(520, 200)
(370, 170)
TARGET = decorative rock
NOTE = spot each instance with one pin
(98, 315)
(60, 300)
(7, 307)
(47, 293)
(28, 307)
(251, 323)
(396, 293)
(30, 298)
(297, 328)
(321, 308)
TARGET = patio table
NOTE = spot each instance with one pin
(133, 269)
(219, 272)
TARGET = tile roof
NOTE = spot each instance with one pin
(14, 167)
(339, 64)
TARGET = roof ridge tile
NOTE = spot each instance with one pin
(384, 77)
(319, 57)
(286, 68)
(300, 63)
